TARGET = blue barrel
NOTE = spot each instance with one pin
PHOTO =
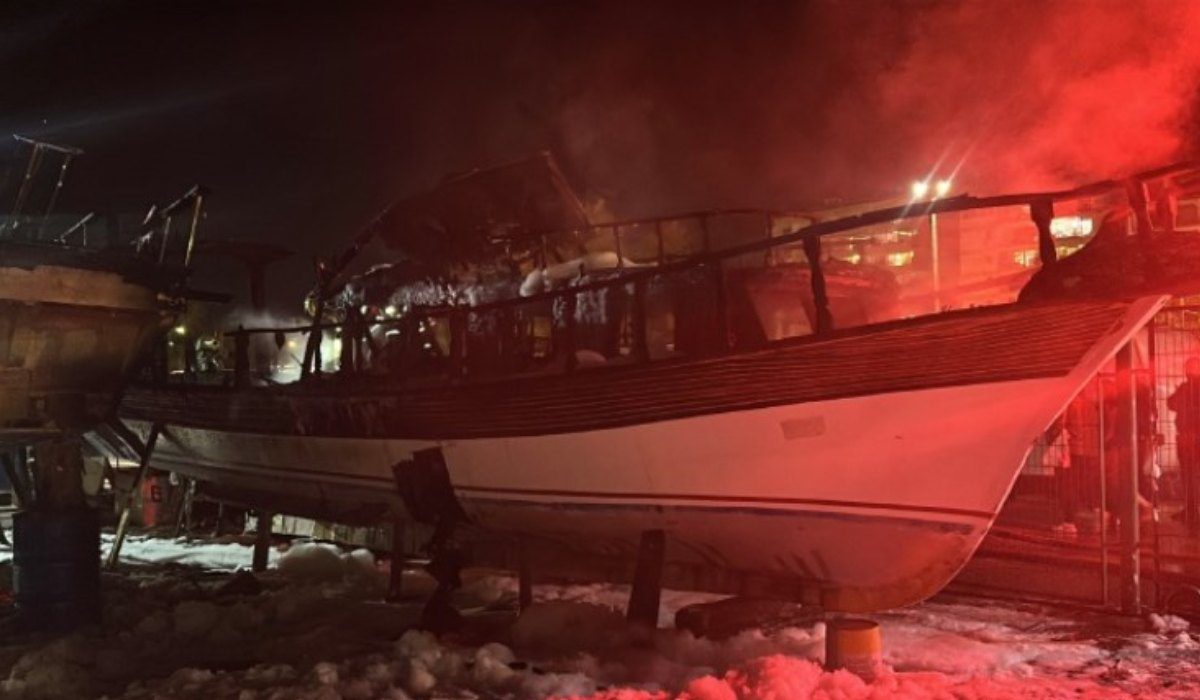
(56, 568)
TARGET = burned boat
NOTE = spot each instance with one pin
(80, 309)
(829, 409)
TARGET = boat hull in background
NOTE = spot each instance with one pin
(70, 340)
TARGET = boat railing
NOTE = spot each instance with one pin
(705, 293)
(155, 243)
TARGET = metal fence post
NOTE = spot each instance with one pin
(1102, 462)
(1127, 485)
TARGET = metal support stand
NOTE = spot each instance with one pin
(143, 467)
(646, 593)
(853, 644)
(262, 540)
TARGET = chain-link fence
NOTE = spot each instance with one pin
(1060, 533)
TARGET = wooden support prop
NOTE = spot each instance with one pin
(144, 466)
(262, 540)
(524, 577)
(183, 519)
(396, 575)
(646, 593)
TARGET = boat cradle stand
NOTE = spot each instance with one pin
(144, 452)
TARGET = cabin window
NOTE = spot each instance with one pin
(1076, 222)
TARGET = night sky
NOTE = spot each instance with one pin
(307, 119)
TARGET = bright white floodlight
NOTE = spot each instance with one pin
(943, 188)
(920, 188)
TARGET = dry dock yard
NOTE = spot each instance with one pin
(806, 350)
(185, 619)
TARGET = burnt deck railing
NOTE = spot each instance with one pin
(631, 283)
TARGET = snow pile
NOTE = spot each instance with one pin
(320, 562)
(58, 670)
(313, 631)
(158, 619)
(567, 628)
(1168, 624)
(965, 640)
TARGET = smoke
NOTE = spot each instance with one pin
(855, 100)
(1048, 94)
(307, 123)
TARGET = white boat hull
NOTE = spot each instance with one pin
(857, 503)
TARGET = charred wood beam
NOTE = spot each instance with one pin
(1042, 213)
(1136, 191)
(801, 235)
(641, 347)
(568, 332)
(241, 359)
(130, 438)
(824, 319)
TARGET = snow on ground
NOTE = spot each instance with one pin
(314, 628)
(224, 554)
